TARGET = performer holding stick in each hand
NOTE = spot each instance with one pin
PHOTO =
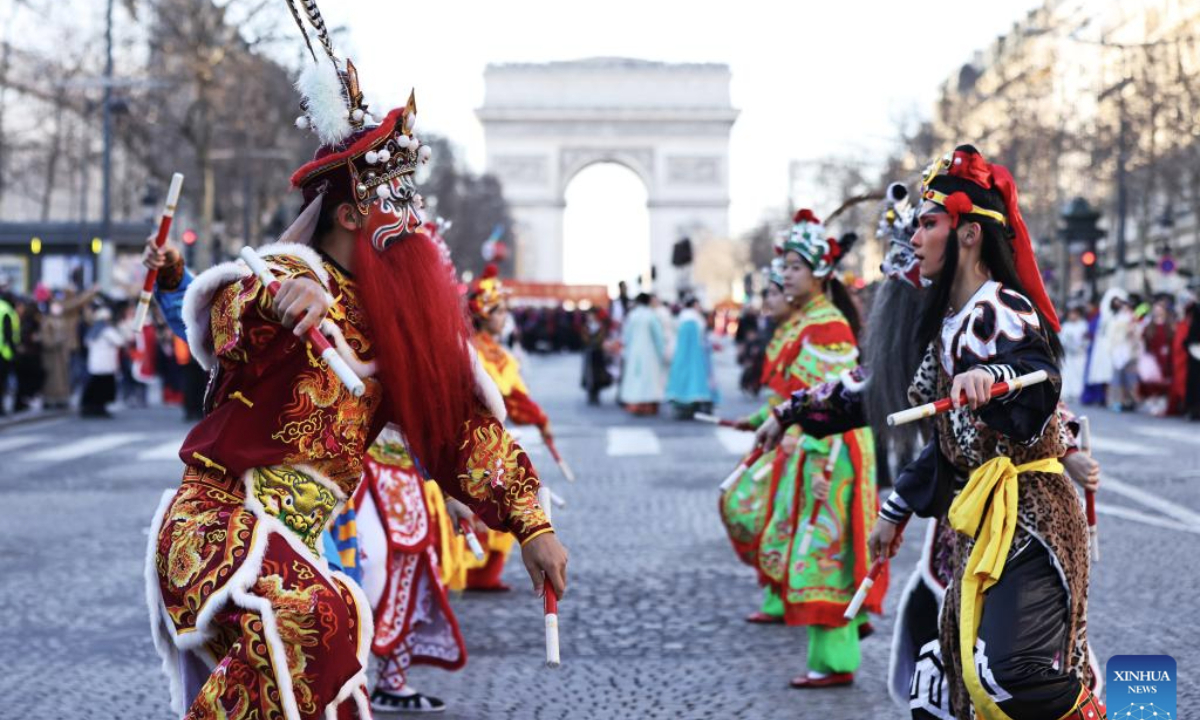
(487, 305)
(267, 468)
(993, 464)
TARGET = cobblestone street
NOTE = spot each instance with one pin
(652, 624)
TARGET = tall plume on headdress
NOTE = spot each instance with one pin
(333, 104)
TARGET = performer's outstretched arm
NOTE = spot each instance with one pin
(522, 409)
(495, 477)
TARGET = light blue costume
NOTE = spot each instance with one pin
(691, 379)
(643, 358)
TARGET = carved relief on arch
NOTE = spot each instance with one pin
(573, 159)
(694, 170)
(521, 169)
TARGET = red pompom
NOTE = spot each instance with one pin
(491, 271)
(835, 250)
(805, 215)
(957, 204)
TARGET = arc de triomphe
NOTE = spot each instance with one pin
(668, 123)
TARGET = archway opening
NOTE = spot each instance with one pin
(606, 227)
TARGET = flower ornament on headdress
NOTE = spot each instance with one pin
(809, 239)
(370, 165)
(963, 184)
(965, 166)
(486, 293)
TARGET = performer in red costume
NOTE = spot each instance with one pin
(245, 613)
(488, 308)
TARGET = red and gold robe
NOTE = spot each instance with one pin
(248, 618)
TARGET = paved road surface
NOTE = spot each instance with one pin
(651, 627)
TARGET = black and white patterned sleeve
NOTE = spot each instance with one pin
(1004, 338)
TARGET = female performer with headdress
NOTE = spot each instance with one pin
(245, 613)
(861, 397)
(746, 506)
(487, 306)
(816, 586)
(1014, 630)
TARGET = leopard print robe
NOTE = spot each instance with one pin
(1049, 510)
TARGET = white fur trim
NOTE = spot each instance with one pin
(363, 703)
(275, 647)
(237, 590)
(849, 383)
(486, 390)
(366, 634)
(197, 308)
(325, 100)
(305, 253)
(197, 301)
(166, 649)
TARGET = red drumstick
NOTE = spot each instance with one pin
(328, 353)
(940, 406)
(741, 469)
(810, 527)
(877, 566)
(562, 464)
(549, 600)
(714, 420)
(472, 539)
(164, 229)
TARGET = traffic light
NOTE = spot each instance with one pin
(1088, 258)
(35, 246)
(189, 237)
(97, 245)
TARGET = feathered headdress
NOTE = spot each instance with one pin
(360, 161)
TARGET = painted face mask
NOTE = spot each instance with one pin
(395, 214)
(898, 225)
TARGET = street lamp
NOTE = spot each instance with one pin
(1079, 227)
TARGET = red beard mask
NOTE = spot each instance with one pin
(420, 335)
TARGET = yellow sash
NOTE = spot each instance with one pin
(993, 525)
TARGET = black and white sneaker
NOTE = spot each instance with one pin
(382, 701)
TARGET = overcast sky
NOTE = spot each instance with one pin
(810, 78)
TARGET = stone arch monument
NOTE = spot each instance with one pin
(668, 123)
